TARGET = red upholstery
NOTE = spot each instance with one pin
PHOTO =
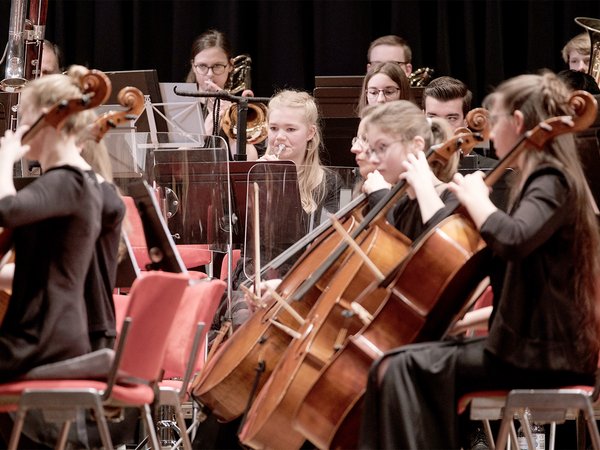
(236, 255)
(199, 304)
(121, 302)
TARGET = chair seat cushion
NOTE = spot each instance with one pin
(94, 365)
(122, 395)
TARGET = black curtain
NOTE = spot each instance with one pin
(480, 42)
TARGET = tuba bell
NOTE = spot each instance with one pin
(256, 118)
(593, 28)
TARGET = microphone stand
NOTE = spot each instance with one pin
(242, 109)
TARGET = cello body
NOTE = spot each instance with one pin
(269, 420)
(226, 383)
(429, 290)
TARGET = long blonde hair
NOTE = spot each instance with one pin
(311, 174)
(540, 97)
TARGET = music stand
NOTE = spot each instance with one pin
(201, 185)
(161, 248)
(147, 82)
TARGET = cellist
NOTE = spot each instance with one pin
(543, 331)
(55, 222)
(394, 131)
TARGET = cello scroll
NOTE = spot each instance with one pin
(130, 97)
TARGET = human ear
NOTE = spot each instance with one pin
(519, 119)
(417, 144)
(312, 130)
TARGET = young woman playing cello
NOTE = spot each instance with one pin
(55, 222)
(544, 331)
(394, 131)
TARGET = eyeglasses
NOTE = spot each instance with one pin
(388, 92)
(217, 69)
(381, 149)
(360, 142)
(400, 63)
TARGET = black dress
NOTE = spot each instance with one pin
(55, 222)
(412, 402)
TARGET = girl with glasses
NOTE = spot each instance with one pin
(395, 131)
(384, 82)
(543, 331)
(211, 60)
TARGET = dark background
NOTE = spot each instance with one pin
(480, 42)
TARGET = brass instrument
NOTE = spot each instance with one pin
(593, 28)
(256, 118)
(421, 77)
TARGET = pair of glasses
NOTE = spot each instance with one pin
(381, 149)
(400, 63)
(388, 92)
(217, 69)
(360, 142)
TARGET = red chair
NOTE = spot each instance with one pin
(125, 378)
(235, 256)
(186, 339)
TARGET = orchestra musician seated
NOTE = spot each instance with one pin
(211, 60)
(394, 131)
(576, 52)
(384, 82)
(545, 258)
(55, 222)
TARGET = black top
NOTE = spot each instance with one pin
(535, 323)
(100, 280)
(55, 222)
(405, 215)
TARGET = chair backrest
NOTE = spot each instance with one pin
(199, 304)
(235, 256)
(153, 302)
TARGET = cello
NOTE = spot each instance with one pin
(329, 414)
(335, 314)
(96, 89)
(228, 381)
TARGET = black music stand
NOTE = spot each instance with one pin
(161, 248)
